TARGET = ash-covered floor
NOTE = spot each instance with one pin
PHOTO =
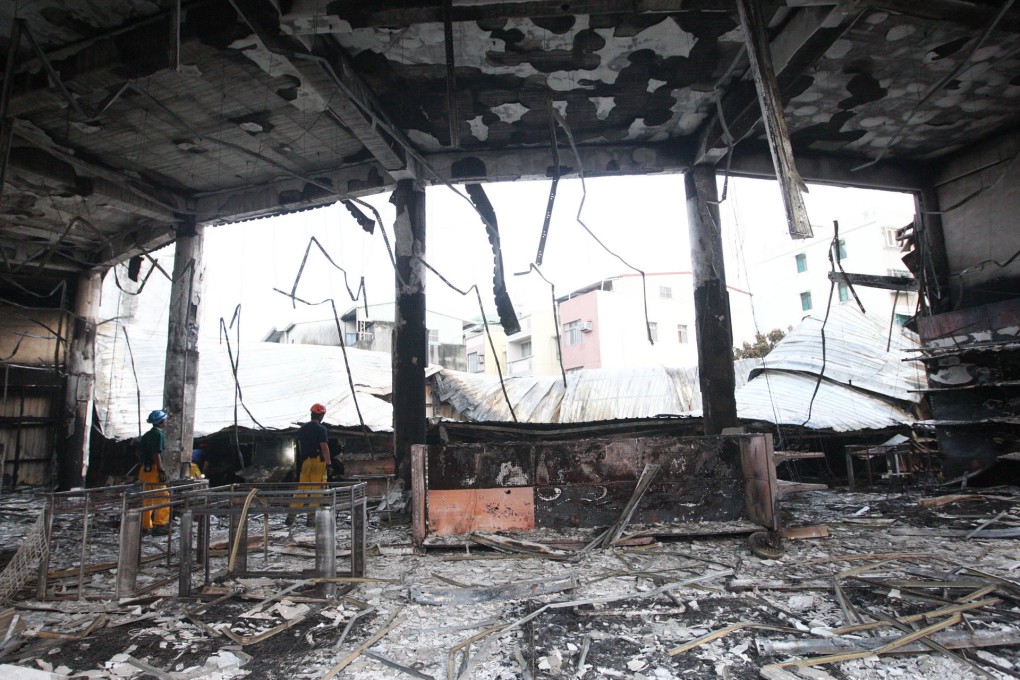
(633, 612)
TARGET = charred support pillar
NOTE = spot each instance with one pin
(81, 379)
(711, 301)
(410, 335)
(180, 378)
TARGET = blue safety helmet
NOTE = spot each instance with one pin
(156, 417)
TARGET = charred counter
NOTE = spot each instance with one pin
(722, 484)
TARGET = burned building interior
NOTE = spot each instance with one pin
(695, 546)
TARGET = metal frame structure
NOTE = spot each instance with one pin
(233, 502)
(123, 501)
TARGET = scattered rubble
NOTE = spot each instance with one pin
(872, 600)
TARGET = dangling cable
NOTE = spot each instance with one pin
(485, 323)
(580, 208)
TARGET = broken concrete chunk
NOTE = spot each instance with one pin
(12, 672)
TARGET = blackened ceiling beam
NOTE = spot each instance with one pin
(802, 40)
(752, 159)
(394, 14)
(329, 73)
(976, 15)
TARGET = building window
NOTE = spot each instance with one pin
(901, 319)
(433, 336)
(653, 331)
(526, 349)
(665, 292)
(475, 362)
(681, 333)
(844, 292)
(840, 250)
(801, 259)
(805, 301)
(889, 233)
(572, 333)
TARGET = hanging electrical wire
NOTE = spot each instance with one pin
(134, 372)
(556, 317)
(355, 296)
(347, 363)
(485, 324)
(235, 362)
(580, 208)
(833, 258)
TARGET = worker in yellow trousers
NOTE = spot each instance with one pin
(312, 455)
(152, 476)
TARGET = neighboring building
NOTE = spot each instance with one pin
(603, 325)
(479, 352)
(796, 274)
(372, 329)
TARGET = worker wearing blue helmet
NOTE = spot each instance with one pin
(152, 476)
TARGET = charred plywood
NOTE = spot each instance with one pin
(587, 483)
(480, 466)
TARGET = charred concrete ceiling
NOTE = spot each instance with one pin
(129, 117)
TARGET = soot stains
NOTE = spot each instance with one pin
(830, 131)
(519, 50)
(863, 88)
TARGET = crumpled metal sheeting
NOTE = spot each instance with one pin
(591, 394)
(479, 397)
(784, 399)
(278, 383)
(855, 353)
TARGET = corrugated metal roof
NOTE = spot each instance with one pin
(861, 384)
(278, 383)
(590, 395)
(785, 398)
(855, 353)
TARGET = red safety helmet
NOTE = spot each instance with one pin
(318, 409)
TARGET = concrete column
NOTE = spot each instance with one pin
(81, 380)
(711, 301)
(180, 377)
(410, 334)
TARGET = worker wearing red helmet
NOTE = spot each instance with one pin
(312, 453)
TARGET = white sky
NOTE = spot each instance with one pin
(643, 219)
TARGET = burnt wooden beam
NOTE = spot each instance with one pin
(907, 283)
(387, 15)
(771, 102)
(802, 40)
(976, 15)
(410, 333)
(326, 71)
(711, 302)
(752, 159)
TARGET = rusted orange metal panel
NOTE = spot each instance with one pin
(462, 511)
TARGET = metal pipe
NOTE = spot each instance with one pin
(325, 550)
(184, 555)
(127, 557)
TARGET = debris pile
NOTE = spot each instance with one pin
(888, 594)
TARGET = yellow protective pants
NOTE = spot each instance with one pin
(150, 482)
(313, 476)
(196, 472)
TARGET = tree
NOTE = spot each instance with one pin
(763, 344)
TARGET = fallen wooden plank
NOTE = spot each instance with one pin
(940, 501)
(715, 635)
(508, 591)
(942, 611)
(953, 533)
(349, 659)
(796, 533)
(853, 557)
(644, 481)
(516, 545)
(950, 640)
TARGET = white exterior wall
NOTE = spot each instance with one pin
(775, 276)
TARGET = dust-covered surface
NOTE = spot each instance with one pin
(629, 608)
